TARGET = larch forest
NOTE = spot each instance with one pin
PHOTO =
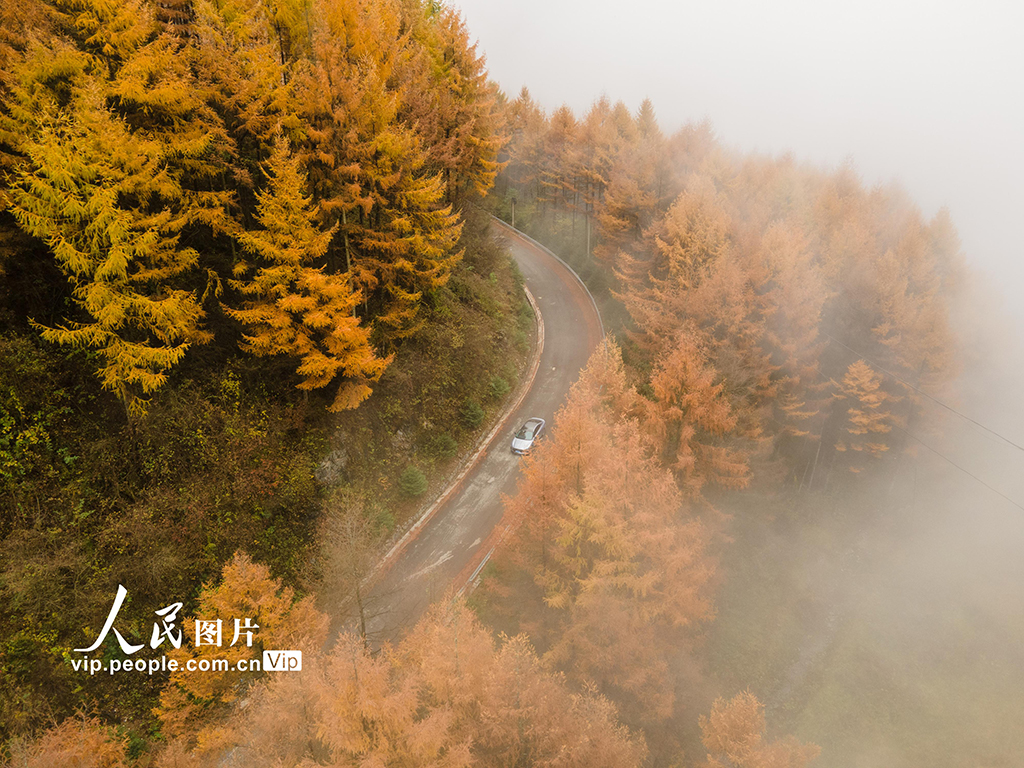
(232, 230)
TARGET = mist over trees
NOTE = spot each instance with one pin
(778, 324)
(772, 311)
(290, 182)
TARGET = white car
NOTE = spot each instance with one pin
(527, 435)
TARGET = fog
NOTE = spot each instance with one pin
(905, 612)
(928, 93)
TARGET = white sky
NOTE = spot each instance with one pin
(929, 93)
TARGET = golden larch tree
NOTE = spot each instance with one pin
(83, 191)
(368, 169)
(296, 307)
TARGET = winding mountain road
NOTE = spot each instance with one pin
(449, 547)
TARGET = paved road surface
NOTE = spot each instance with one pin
(455, 537)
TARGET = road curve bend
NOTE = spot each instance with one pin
(454, 539)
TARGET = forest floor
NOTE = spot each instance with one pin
(232, 457)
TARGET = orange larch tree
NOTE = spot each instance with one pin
(452, 104)
(194, 703)
(695, 233)
(447, 696)
(596, 154)
(559, 172)
(794, 296)
(527, 125)
(734, 736)
(867, 420)
(78, 742)
(605, 532)
(690, 415)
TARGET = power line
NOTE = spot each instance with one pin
(966, 472)
(937, 453)
(949, 408)
(915, 437)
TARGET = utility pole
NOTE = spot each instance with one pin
(588, 234)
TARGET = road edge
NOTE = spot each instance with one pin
(469, 578)
(392, 554)
(560, 260)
